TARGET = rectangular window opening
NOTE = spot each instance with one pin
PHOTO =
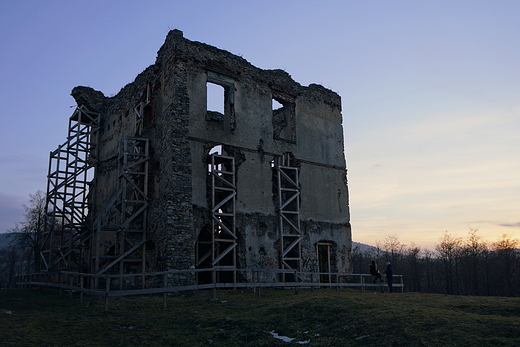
(220, 101)
(215, 98)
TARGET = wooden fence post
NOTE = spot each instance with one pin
(71, 278)
(93, 280)
(106, 294)
(214, 279)
(80, 278)
(165, 294)
(295, 281)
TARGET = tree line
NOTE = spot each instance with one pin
(20, 255)
(459, 266)
(470, 266)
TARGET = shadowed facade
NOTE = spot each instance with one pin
(154, 179)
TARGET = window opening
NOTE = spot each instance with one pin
(216, 150)
(220, 101)
(284, 122)
(215, 98)
(276, 105)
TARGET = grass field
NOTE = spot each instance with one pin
(237, 318)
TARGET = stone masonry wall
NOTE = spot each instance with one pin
(181, 132)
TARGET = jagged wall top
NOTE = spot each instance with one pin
(178, 48)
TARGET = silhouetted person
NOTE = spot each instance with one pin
(389, 276)
(374, 271)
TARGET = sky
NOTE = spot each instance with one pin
(430, 94)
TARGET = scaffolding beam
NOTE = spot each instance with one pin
(223, 213)
(132, 205)
(288, 189)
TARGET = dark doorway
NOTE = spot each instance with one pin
(323, 252)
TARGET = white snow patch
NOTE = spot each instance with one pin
(288, 339)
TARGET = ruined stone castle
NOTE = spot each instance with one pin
(157, 178)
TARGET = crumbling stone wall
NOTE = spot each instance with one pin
(181, 131)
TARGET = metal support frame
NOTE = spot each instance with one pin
(287, 180)
(223, 213)
(71, 169)
(72, 236)
(132, 203)
(139, 110)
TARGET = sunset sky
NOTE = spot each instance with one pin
(430, 94)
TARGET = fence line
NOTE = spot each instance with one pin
(174, 281)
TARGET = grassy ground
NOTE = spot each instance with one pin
(322, 317)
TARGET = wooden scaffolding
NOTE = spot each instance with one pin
(74, 233)
(288, 190)
(130, 202)
(223, 216)
(66, 236)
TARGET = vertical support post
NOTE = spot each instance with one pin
(259, 291)
(143, 268)
(165, 285)
(80, 278)
(70, 285)
(295, 286)
(106, 293)
(214, 280)
(250, 278)
(93, 281)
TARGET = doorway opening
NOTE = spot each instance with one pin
(323, 251)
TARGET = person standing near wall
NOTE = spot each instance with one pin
(374, 271)
(389, 276)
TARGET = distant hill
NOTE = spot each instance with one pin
(363, 247)
(5, 239)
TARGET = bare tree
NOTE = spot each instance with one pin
(8, 265)
(394, 249)
(470, 266)
(378, 250)
(26, 234)
(448, 250)
(414, 267)
(474, 252)
(429, 266)
(506, 250)
(358, 260)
